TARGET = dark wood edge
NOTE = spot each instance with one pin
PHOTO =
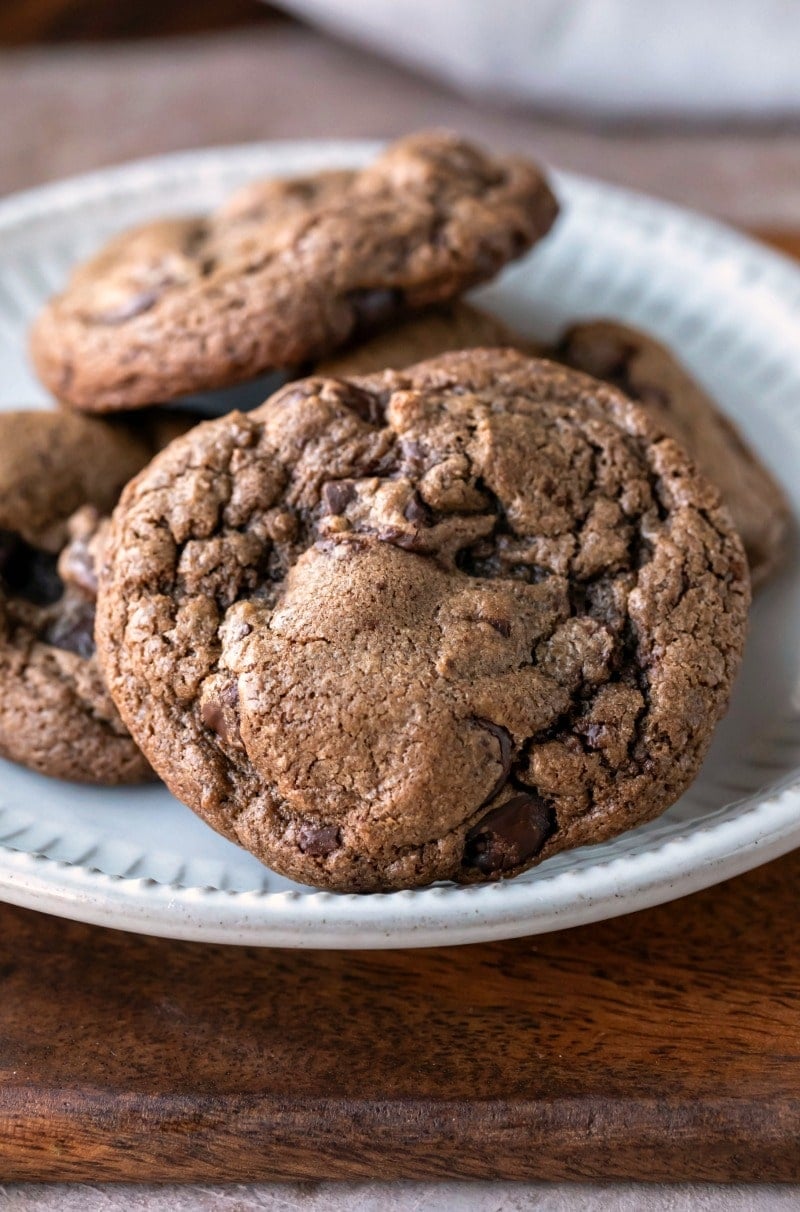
(64, 1135)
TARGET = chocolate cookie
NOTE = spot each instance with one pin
(435, 331)
(431, 624)
(650, 374)
(55, 713)
(287, 271)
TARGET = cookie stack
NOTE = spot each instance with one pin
(436, 611)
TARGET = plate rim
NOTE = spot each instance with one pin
(438, 915)
(305, 920)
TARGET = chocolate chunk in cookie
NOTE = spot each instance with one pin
(509, 836)
(494, 615)
(285, 272)
(647, 372)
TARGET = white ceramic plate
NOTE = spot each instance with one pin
(138, 860)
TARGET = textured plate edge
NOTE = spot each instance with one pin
(329, 921)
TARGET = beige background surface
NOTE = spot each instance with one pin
(400, 1197)
(67, 110)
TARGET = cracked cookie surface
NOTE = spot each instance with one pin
(650, 374)
(56, 715)
(644, 370)
(438, 623)
(285, 272)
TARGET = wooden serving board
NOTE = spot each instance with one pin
(664, 1045)
(660, 1046)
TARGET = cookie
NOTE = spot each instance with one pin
(435, 624)
(286, 272)
(436, 331)
(650, 374)
(56, 715)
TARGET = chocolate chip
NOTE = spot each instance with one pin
(417, 511)
(407, 539)
(217, 714)
(367, 405)
(506, 745)
(413, 455)
(73, 627)
(373, 308)
(596, 735)
(337, 495)
(510, 835)
(502, 626)
(385, 465)
(318, 840)
(31, 574)
(134, 305)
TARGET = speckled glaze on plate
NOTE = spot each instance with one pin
(136, 859)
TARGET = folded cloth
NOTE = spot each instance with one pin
(693, 58)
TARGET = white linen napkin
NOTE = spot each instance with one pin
(703, 58)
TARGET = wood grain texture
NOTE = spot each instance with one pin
(785, 241)
(93, 20)
(661, 1046)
